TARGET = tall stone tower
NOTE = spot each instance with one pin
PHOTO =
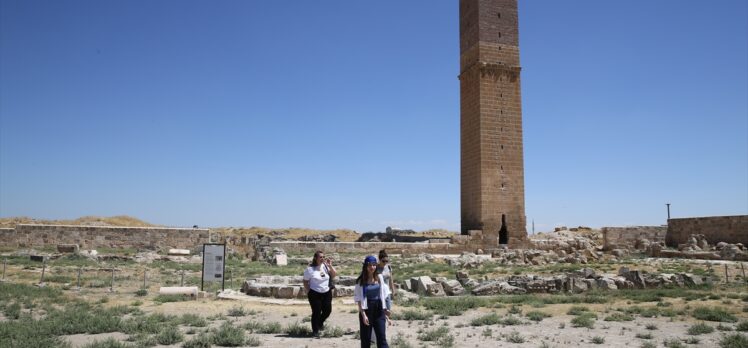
(492, 166)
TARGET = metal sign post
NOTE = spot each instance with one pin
(214, 264)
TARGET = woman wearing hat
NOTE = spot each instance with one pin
(370, 294)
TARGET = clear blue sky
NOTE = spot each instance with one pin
(345, 114)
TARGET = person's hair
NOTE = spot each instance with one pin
(382, 254)
(315, 260)
(361, 280)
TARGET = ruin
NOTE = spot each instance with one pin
(491, 151)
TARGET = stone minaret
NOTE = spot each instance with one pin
(492, 166)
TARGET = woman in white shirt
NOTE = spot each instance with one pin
(317, 285)
(370, 294)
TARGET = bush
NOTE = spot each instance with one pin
(515, 337)
(585, 320)
(713, 314)
(700, 329)
(674, 343)
(399, 341)
(489, 319)
(161, 298)
(228, 336)
(236, 312)
(298, 330)
(742, 326)
(644, 336)
(200, 341)
(107, 343)
(434, 335)
(537, 315)
(734, 341)
(141, 292)
(619, 317)
(334, 331)
(598, 340)
(193, 320)
(577, 310)
(410, 314)
(169, 335)
(453, 306)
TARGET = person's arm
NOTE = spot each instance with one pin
(306, 280)
(362, 313)
(359, 298)
(330, 268)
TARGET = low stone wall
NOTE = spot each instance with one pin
(626, 237)
(729, 229)
(92, 237)
(372, 247)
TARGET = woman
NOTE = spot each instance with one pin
(317, 285)
(385, 269)
(370, 294)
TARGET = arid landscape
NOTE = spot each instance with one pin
(694, 305)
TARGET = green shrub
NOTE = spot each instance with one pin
(334, 331)
(713, 314)
(674, 343)
(648, 345)
(742, 326)
(161, 298)
(515, 337)
(585, 320)
(453, 306)
(597, 340)
(200, 341)
(734, 341)
(619, 317)
(193, 320)
(296, 329)
(141, 292)
(410, 314)
(434, 335)
(511, 321)
(107, 343)
(227, 335)
(13, 311)
(644, 336)
(700, 329)
(169, 335)
(577, 310)
(489, 319)
(236, 312)
(399, 341)
(537, 315)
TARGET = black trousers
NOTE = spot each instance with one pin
(321, 307)
(377, 322)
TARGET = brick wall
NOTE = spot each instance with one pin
(92, 237)
(730, 229)
(491, 150)
(625, 237)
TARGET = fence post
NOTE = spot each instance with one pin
(181, 282)
(44, 268)
(111, 285)
(80, 270)
(727, 278)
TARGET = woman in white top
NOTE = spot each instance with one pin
(317, 285)
(370, 294)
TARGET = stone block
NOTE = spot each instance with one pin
(452, 287)
(280, 260)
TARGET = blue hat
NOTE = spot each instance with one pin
(370, 259)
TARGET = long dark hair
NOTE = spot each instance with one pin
(315, 258)
(361, 280)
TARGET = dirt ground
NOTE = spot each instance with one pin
(555, 331)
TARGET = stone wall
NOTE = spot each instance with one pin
(730, 229)
(626, 237)
(372, 247)
(92, 237)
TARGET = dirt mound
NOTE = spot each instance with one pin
(121, 220)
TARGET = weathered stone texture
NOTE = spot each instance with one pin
(627, 237)
(372, 247)
(492, 165)
(92, 237)
(729, 229)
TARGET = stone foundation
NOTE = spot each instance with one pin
(627, 237)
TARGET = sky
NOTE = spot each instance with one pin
(345, 114)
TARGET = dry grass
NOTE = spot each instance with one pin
(121, 220)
